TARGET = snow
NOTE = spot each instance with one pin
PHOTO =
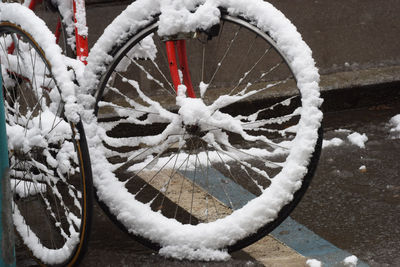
(395, 121)
(80, 17)
(66, 10)
(203, 88)
(350, 261)
(340, 130)
(332, 142)
(186, 252)
(354, 138)
(313, 263)
(25, 189)
(35, 135)
(176, 16)
(395, 125)
(358, 139)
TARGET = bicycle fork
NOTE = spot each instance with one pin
(82, 49)
(179, 47)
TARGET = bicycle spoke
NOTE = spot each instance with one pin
(151, 78)
(249, 71)
(224, 56)
(245, 57)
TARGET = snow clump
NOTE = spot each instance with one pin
(186, 252)
(332, 142)
(350, 261)
(358, 139)
(313, 263)
(395, 123)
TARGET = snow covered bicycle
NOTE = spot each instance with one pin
(210, 123)
(211, 119)
(50, 171)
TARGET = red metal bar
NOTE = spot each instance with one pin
(181, 47)
(33, 4)
(58, 30)
(82, 48)
(173, 64)
(11, 48)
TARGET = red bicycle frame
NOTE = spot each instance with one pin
(180, 46)
(173, 48)
(82, 47)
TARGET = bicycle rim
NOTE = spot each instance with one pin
(197, 161)
(49, 165)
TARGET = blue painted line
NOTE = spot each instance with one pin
(224, 189)
(291, 233)
(309, 244)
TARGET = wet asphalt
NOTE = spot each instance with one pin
(358, 210)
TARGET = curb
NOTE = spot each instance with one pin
(360, 88)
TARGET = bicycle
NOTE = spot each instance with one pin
(196, 160)
(171, 136)
(50, 170)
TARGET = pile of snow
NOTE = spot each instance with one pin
(313, 263)
(395, 124)
(350, 261)
(332, 142)
(358, 139)
(186, 252)
(354, 138)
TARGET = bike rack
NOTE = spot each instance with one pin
(7, 252)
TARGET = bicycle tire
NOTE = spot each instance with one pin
(135, 106)
(51, 177)
(46, 11)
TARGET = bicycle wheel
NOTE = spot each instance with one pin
(61, 26)
(50, 169)
(220, 170)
